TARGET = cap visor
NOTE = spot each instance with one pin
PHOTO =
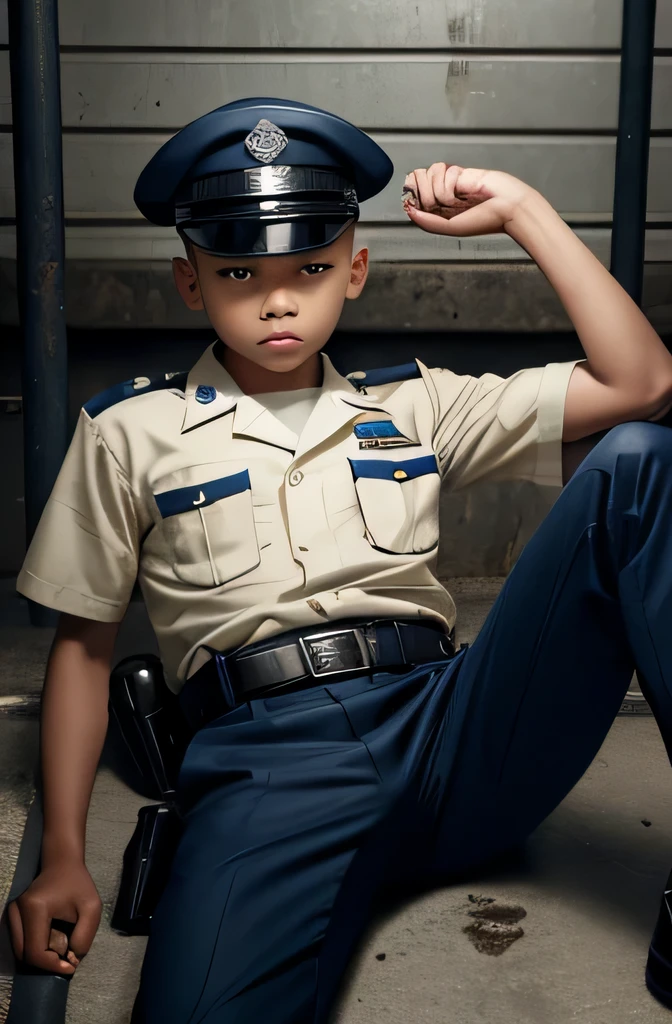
(253, 237)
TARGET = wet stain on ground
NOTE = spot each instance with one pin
(495, 926)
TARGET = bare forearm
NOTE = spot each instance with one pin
(73, 727)
(622, 349)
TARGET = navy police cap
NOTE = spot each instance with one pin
(262, 177)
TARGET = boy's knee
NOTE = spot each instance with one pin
(637, 438)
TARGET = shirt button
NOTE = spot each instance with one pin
(295, 477)
(205, 394)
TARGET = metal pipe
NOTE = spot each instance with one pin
(38, 178)
(38, 998)
(632, 147)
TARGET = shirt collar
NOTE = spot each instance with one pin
(211, 392)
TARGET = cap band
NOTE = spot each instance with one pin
(267, 194)
(267, 181)
(292, 206)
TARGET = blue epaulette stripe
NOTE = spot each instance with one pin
(387, 375)
(120, 392)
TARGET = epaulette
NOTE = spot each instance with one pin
(130, 388)
(384, 375)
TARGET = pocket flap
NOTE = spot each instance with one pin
(386, 469)
(186, 499)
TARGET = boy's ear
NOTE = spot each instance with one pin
(358, 274)
(186, 282)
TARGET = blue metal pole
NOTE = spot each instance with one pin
(632, 147)
(38, 176)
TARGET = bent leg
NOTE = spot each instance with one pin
(590, 598)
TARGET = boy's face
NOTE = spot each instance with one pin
(249, 298)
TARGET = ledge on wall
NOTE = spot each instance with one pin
(464, 296)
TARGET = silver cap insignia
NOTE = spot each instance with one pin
(266, 141)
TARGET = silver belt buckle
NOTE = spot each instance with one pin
(342, 650)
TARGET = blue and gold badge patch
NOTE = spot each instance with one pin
(381, 434)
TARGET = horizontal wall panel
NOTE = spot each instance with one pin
(146, 92)
(146, 244)
(367, 24)
(574, 173)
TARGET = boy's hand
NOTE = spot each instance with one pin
(63, 891)
(448, 200)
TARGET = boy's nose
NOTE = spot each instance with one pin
(278, 306)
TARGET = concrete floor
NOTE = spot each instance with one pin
(589, 881)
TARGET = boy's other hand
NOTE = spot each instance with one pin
(445, 199)
(63, 891)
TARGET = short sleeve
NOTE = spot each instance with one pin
(83, 558)
(499, 428)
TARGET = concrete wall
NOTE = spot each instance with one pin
(527, 86)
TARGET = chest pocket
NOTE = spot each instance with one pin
(399, 502)
(209, 529)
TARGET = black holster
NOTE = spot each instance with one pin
(147, 715)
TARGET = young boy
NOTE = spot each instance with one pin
(283, 525)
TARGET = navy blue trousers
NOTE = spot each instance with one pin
(300, 807)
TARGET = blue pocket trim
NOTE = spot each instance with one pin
(186, 499)
(384, 469)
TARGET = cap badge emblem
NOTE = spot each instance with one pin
(266, 141)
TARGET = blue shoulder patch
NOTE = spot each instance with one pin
(384, 375)
(130, 388)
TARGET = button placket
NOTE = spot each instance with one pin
(313, 546)
(295, 504)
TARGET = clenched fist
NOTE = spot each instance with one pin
(62, 891)
(445, 199)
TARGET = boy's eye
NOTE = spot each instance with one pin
(236, 273)
(243, 274)
(316, 268)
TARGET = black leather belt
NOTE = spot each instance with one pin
(305, 658)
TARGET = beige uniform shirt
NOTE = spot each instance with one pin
(237, 529)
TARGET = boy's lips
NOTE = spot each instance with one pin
(279, 335)
(282, 339)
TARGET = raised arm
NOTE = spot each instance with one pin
(627, 374)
